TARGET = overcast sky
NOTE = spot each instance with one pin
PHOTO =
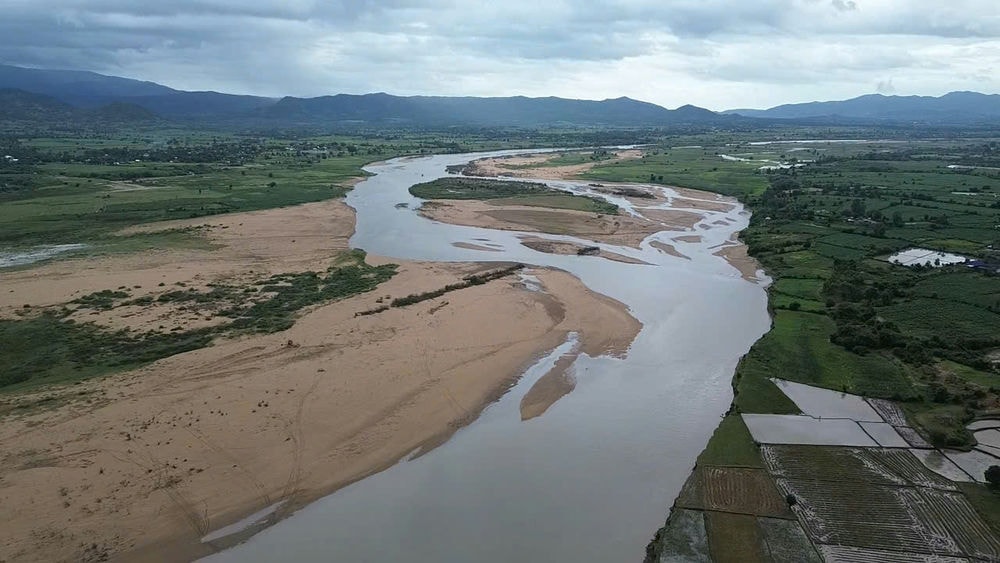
(719, 54)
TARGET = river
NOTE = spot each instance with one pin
(592, 478)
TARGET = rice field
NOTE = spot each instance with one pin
(878, 499)
(745, 491)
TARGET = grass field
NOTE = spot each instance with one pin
(844, 318)
(798, 348)
(690, 168)
(79, 203)
(510, 192)
(731, 445)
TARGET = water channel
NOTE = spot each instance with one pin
(592, 478)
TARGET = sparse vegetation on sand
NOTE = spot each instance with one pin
(46, 346)
(510, 192)
(469, 281)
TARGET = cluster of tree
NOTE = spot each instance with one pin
(15, 154)
(227, 152)
(852, 295)
(781, 199)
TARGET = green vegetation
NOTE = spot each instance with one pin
(101, 300)
(86, 186)
(690, 168)
(943, 424)
(510, 192)
(48, 347)
(798, 348)
(985, 501)
(826, 217)
(286, 294)
(731, 445)
(469, 281)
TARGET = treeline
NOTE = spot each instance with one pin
(468, 281)
(233, 153)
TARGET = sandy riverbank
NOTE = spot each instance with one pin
(535, 166)
(572, 248)
(250, 246)
(621, 230)
(140, 465)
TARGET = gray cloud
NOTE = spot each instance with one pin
(713, 52)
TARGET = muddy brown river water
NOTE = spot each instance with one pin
(592, 478)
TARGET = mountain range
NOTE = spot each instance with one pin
(954, 107)
(52, 95)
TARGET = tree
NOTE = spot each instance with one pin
(857, 208)
(992, 476)
(897, 219)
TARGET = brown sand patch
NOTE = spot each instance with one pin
(737, 257)
(470, 246)
(637, 194)
(251, 246)
(155, 317)
(549, 388)
(675, 219)
(572, 248)
(668, 248)
(619, 230)
(688, 238)
(140, 465)
(692, 193)
(606, 326)
(703, 204)
(531, 166)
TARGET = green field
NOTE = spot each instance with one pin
(731, 445)
(511, 193)
(690, 168)
(845, 318)
(76, 203)
(798, 348)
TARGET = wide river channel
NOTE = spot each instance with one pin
(592, 478)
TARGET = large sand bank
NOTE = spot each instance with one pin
(535, 166)
(141, 465)
(621, 230)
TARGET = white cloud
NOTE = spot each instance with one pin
(714, 53)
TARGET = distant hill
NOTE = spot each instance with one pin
(121, 112)
(27, 106)
(518, 110)
(71, 86)
(199, 105)
(91, 90)
(18, 105)
(955, 107)
(119, 99)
